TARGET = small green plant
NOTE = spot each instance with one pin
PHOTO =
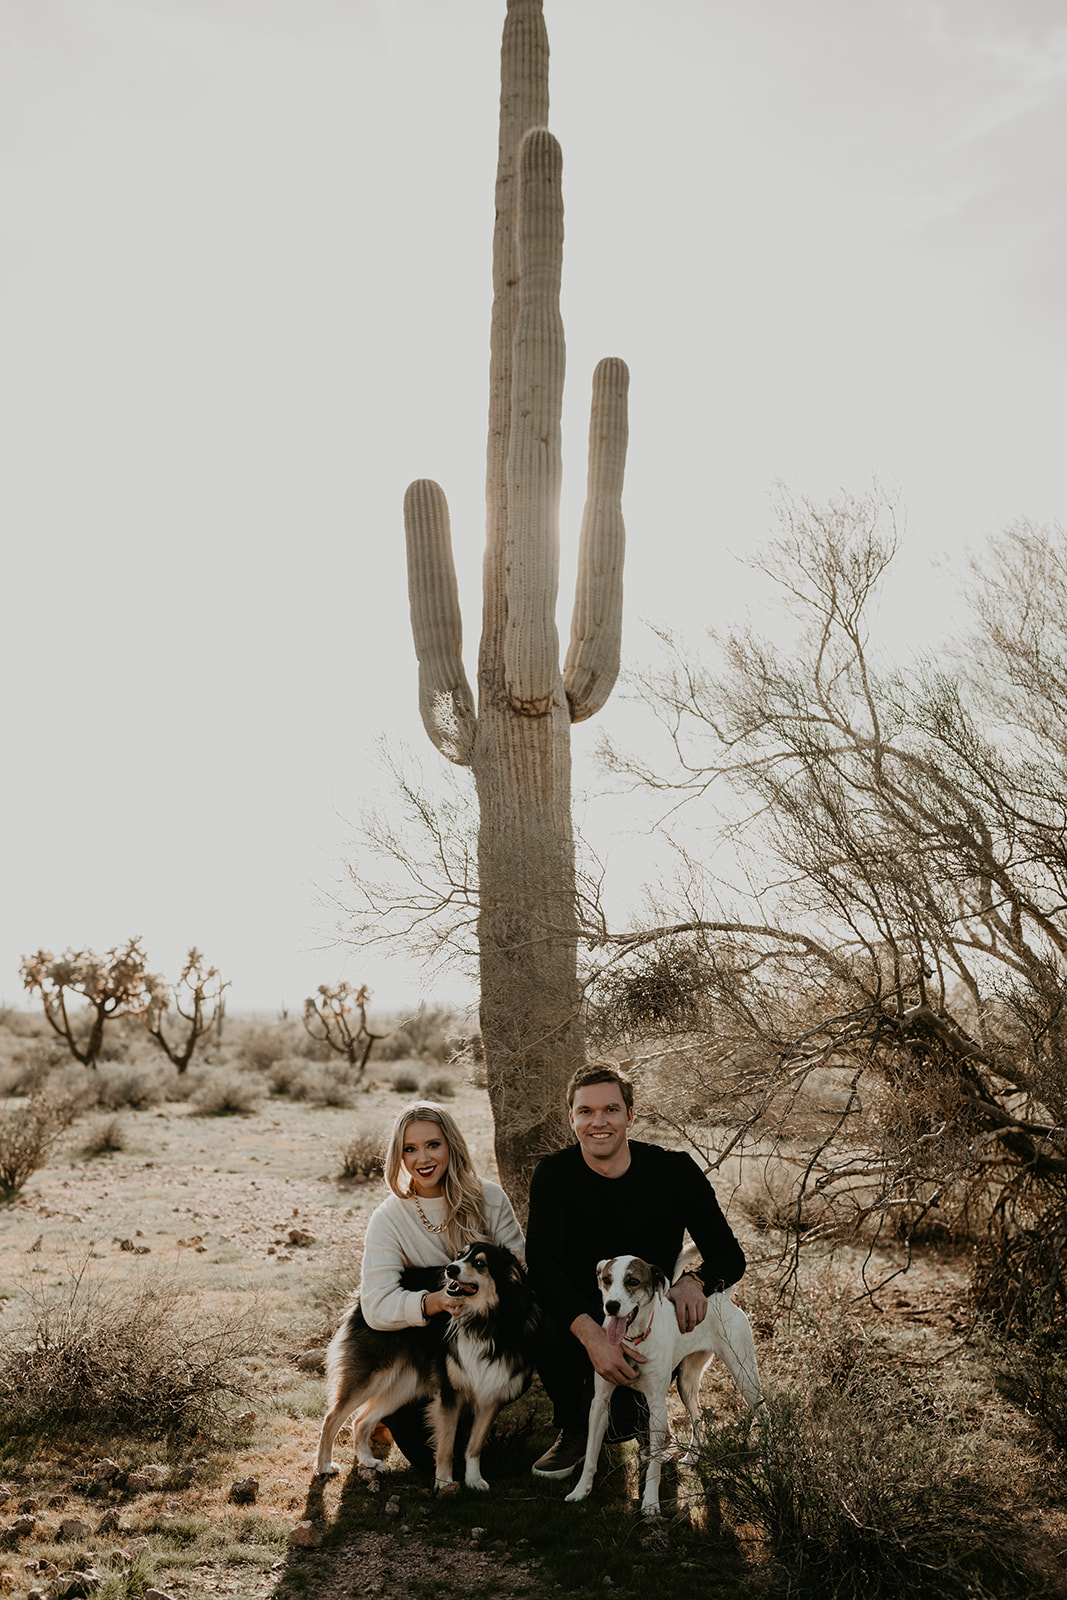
(362, 1156)
(129, 1581)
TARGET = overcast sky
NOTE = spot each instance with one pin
(246, 281)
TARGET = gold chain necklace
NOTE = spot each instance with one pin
(424, 1219)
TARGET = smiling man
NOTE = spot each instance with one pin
(608, 1195)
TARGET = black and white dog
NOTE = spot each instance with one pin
(637, 1313)
(479, 1358)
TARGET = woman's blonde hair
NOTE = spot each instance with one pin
(462, 1186)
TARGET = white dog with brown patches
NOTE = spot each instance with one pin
(638, 1315)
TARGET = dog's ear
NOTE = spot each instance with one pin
(602, 1264)
(660, 1281)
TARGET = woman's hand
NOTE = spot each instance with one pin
(439, 1300)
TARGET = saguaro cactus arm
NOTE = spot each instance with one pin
(592, 663)
(535, 460)
(445, 700)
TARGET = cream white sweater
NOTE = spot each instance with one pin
(397, 1239)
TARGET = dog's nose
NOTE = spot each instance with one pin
(451, 1271)
(611, 1307)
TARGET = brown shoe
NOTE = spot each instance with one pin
(567, 1453)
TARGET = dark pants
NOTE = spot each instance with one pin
(413, 1438)
(567, 1375)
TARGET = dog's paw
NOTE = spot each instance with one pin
(328, 1471)
(651, 1510)
(579, 1493)
(446, 1486)
(477, 1482)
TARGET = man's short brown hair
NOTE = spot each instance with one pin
(601, 1072)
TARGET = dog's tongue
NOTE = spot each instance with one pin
(616, 1330)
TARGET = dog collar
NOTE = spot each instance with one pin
(641, 1337)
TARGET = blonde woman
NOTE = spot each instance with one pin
(437, 1205)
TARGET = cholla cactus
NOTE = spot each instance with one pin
(329, 1021)
(198, 998)
(114, 984)
(518, 739)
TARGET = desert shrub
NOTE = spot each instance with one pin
(105, 1137)
(288, 1076)
(133, 1088)
(864, 1489)
(1034, 1376)
(438, 1086)
(328, 1297)
(32, 1064)
(323, 1087)
(182, 1087)
(147, 1357)
(228, 1094)
(1019, 1281)
(259, 1046)
(364, 1154)
(426, 1036)
(405, 1081)
(28, 1135)
(22, 1024)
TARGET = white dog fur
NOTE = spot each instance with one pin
(638, 1314)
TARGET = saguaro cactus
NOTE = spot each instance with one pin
(518, 740)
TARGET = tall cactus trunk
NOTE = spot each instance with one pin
(518, 743)
(527, 933)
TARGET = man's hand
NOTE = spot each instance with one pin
(690, 1302)
(612, 1361)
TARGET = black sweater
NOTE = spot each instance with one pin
(578, 1218)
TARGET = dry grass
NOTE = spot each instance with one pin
(871, 1485)
(145, 1357)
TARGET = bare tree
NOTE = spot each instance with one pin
(900, 917)
(111, 985)
(197, 998)
(329, 1021)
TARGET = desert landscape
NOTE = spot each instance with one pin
(180, 1259)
